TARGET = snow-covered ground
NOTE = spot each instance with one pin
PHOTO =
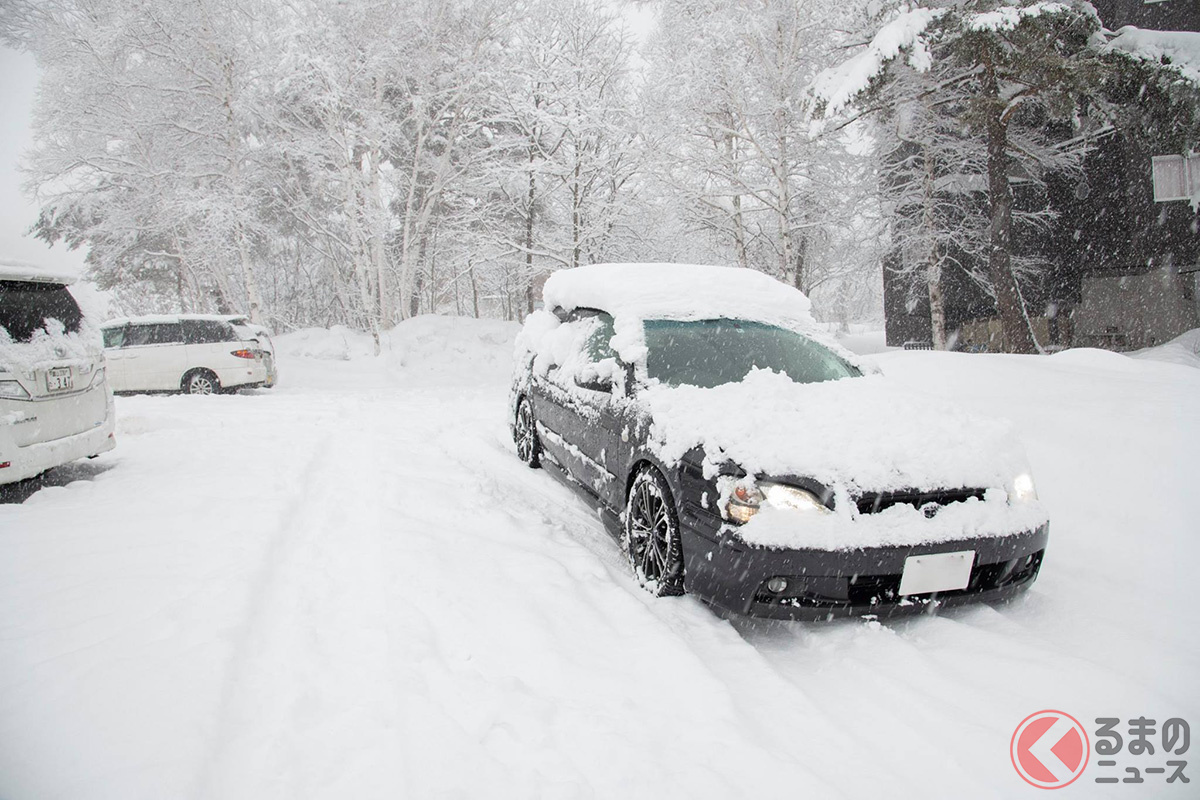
(349, 587)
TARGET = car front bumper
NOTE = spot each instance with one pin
(824, 584)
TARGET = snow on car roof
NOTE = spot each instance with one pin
(11, 270)
(633, 293)
(164, 319)
(678, 291)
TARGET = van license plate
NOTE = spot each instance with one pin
(59, 380)
(937, 572)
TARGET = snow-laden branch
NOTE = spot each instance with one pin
(837, 87)
(1175, 50)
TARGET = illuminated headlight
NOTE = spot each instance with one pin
(13, 390)
(746, 501)
(1022, 488)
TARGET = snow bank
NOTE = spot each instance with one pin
(458, 348)
(1183, 350)
(338, 343)
(1179, 50)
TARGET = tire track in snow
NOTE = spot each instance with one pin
(261, 585)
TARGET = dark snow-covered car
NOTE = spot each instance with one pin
(744, 457)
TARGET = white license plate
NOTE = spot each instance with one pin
(59, 379)
(937, 572)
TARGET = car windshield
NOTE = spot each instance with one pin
(712, 352)
(27, 306)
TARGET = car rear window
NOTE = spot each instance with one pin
(153, 333)
(203, 331)
(26, 307)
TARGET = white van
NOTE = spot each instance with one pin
(55, 403)
(192, 353)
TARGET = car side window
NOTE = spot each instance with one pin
(599, 343)
(203, 331)
(114, 337)
(153, 333)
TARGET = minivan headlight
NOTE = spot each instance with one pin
(13, 390)
(746, 501)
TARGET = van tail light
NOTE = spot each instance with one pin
(5, 464)
(243, 353)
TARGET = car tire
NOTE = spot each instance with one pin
(652, 534)
(525, 437)
(201, 381)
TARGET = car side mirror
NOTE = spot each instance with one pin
(595, 384)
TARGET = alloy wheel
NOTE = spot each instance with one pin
(653, 539)
(525, 434)
(200, 384)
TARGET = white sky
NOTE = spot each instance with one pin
(18, 84)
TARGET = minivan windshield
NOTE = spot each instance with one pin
(713, 352)
(26, 307)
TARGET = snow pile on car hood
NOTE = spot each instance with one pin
(860, 434)
(634, 293)
(853, 435)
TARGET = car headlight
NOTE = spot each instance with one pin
(746, 501)
(13, 390)
(1023, 490)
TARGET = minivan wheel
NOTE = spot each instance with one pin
(652, 535)
(529, 447)
(201, 382)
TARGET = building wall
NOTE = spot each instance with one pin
(1169, 15)
(1135, 311)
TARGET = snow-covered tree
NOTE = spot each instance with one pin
(1022, 79)
(737, 145)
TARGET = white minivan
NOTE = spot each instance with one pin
(192, 353)
(55, 403)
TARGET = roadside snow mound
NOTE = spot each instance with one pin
(458, 346)
(633, 293)
(338, 343)
(428, 344)
(1184, 349)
